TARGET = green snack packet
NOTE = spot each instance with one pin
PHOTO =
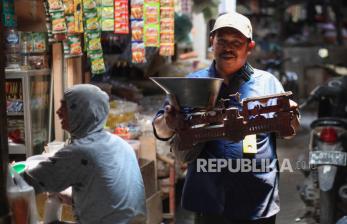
(97, 64)
(94, 42)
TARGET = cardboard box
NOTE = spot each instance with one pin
(154, 209)
(148, 175)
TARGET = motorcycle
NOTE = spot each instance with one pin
(289, 79)
(326, 181)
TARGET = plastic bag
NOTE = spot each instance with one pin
(22, 199)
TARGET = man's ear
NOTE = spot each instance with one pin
(251, 45)
(211, 40)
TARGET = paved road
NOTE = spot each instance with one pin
(291, 205)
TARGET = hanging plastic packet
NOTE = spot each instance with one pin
(136, 30)
(121, 17)
(97, 63)
(167, 28)
(94, 42)
(91, 21)
(55, 5)
(151, 36)
(107, 25)
(151, 23)
(75, 47)
(68, 7)
(66, 48)
(21, 198)
(39, 42)
(78, 16)
(89, 5)
(137, 11)
(167, 49)
(48, 23)
(107, 15)
(138, 53)
(58, 22)
(70, 23)
(167, 3)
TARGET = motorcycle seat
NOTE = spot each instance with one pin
(329, 121)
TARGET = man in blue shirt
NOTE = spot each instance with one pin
(230, 197)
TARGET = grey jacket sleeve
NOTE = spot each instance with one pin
(66, 168)
(186, 155)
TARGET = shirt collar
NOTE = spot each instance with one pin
(244, 73)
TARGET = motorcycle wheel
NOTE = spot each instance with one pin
(327, 207)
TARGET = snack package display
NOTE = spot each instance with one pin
(78, 14)
(121, 17)
(167, 28)
(138, 53)
(68, 7)
(137, 11)
(107, 15)
(94, 43)
(151, 16)
(151, 36)
(136, 30)
(72, 47)
(70, 23)
(55, 5)
(97, 63)
(58, 22)
(167, 49)
(91, 20)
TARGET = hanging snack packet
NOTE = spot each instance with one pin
(78, 14)
(75, 45)
(152, 1)
(151, 36)
(94, 42)
(39, 42)
(167, 12)
(107, 2)
(167, 3)
(107, 24)
(151, 14)
(55, 5)
(68, 7)
(121, 17)
(58, 22)
(66, 48)
(107, 18)
(167, 49)
(97, 64)
(70, 23)
(138, 53)
(89, 5)
(107, 12)
(137, 11)
(136, 30)
(92, 22)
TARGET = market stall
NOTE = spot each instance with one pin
(52, 45)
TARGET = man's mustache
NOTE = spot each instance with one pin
(228, 54)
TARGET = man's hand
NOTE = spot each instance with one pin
(161, 123)
(295, 122)
(66, 196)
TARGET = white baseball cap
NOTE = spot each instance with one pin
(234, 20)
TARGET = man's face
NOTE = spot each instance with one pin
(231, 50)
(63, 115)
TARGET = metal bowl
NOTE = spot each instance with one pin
(190, 92)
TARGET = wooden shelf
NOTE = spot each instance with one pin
(15, 114)
(14, 148)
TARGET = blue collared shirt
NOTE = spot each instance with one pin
(239, 196)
